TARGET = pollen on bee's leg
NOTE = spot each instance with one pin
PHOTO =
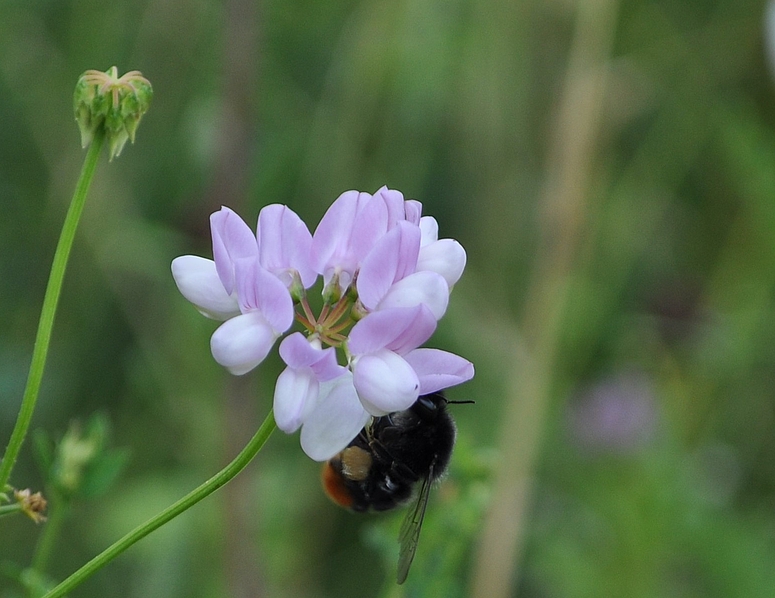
(356, 463)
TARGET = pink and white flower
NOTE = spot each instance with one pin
(383, 267)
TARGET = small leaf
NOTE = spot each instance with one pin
(103, 472)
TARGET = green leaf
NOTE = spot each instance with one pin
(101, 473)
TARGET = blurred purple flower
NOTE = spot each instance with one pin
(618, 414)
(769, 35)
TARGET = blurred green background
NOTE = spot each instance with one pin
(609, 167)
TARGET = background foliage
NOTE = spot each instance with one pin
(608, 164)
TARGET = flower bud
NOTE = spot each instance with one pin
(74, 453)
(115, 104)
(332, 292)
(32, 505)
(298, 292)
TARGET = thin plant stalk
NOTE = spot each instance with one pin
(530, 384)
(56, 516)
(48, 311)
(204, 490)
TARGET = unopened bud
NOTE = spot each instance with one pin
(115, 104)
(332, 292)
(298, 292)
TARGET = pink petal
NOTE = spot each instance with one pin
(243, 342)
(446, 257)
(295, 397)
(426, 288)
(198, 281)
(399, 329)
(392, 258)
(413, 210)
(259, 290)
(337, 419)
(378, 271)
(438, 369)
(371, 223)
(331, 241)
(284, 244)
(415, 332)
(298, 352)
(232, 240)
(327, 368)
(394, 201)
(385, 382)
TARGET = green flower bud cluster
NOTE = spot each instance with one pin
(111, 103)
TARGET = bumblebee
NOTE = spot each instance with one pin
(380, 469)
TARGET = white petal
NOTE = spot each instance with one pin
(446, 257)
(241, 343)
(198, 281)
(385, 382)
(295, 397)
(429, 229)
(337, 419)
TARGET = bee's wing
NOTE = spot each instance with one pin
(410, 529)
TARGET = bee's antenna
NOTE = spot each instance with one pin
(461, 402)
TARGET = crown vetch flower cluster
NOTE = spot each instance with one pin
(386, 283)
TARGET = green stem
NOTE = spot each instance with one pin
(188, 501)
(57, 513)
(53, 290)
(10, 509)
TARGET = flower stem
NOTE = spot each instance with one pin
(50, 301)
(10, 509)
(57, 513)
(188, 501)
